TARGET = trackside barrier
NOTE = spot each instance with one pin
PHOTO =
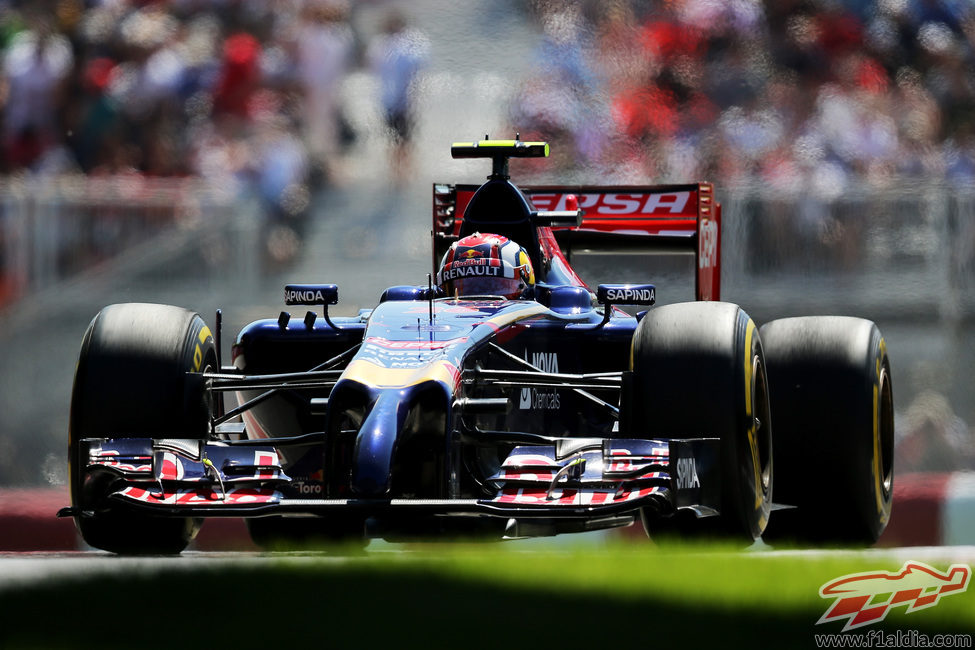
(893, 253)
(52, 229)
(904, 251)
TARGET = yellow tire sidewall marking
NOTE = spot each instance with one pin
(749, 399)
(878, 489)
(198, 350)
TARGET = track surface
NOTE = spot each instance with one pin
(577, 592)
(29, 568)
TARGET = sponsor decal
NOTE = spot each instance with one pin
(638, 203)
(399, 359)
(404, 354)
(708, 248)
(413, 345)
(632, 295)
(310, 294)
(547, 362)
(306, 488)
(381, 373)
(458, 270)
(687, 473)
(304, 296)
(866, 598)
(475, 262)
(533, 398)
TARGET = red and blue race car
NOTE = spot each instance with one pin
(499, 397)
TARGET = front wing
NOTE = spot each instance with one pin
(571, 478)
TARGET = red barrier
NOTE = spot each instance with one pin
(916, 517)
(28, 521)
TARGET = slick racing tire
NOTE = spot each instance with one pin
(830, 383)
(131, 382)
(699, 371)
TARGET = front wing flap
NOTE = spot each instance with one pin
(571, 478)
(611, 474)
(177, 474)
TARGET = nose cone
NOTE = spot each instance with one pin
(375, 446)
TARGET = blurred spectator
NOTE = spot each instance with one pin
(396, 57)
(240, 76)
(934, 438)
(561, 99)
(280, 175)
(36, 66)
(325, 47)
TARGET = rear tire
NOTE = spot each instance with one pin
(830, 381)
(699, 371)
(131, 382)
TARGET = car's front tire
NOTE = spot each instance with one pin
(131, 381)
(699, 371)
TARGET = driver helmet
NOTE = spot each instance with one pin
(486, 265)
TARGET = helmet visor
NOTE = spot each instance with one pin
(486, 286)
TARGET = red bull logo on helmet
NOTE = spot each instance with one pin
(866, 598)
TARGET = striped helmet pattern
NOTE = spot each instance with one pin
(486, 265)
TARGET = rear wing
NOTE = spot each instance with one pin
(657, 218)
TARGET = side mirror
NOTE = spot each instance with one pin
(410, 292)
(564, 300)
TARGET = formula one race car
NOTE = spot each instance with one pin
(502, 398)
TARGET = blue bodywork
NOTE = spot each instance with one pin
(415, 352)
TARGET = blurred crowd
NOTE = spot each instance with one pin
(246, 94)
(810, 93)
(789, 94)
(218, 88)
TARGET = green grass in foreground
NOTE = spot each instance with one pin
(436, 596)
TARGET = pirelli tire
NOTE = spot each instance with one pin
(699, 371)
(830, 382)
(132, 381)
